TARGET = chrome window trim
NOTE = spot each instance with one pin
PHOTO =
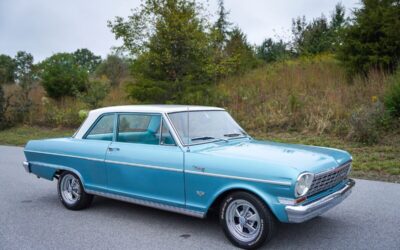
(282, 183)
(152, 204)
(165, 123)
(175, 132)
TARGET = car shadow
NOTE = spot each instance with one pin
(288, 235)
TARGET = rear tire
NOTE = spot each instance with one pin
(246, 220)
(71, 192)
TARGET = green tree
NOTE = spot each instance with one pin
(62, 76)
(372, 40)
(271, 51)
(25, 72)
(319, 35)
(337, 24)
(240, 54)
(221, 27)
(171, 47)
(114, 68)
(87, 59)
(314, 38)
(219, 35)
(7, 68)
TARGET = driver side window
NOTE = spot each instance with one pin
(143, 129)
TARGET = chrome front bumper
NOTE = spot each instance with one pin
(26, 166)
(300, 213)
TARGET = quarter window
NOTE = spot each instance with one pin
(103, 130)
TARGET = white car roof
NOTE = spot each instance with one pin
(94, 114)
(160, 108)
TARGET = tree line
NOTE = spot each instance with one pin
(175, 54)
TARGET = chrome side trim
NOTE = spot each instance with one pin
(144, 166)
(282, 183)
(149, 204)
(108, 161)
(64, 155)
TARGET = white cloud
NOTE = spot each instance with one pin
(43, 27)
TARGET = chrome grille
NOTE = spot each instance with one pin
(329, 179)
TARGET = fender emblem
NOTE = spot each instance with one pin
(200, 193)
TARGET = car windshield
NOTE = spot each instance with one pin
(205, 126)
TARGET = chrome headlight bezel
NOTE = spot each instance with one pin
(303, 184)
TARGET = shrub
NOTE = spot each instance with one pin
(367, 122)
(392, 96)
(96, 91)
(62, 76)
(114, 68)
(2, 109)
(61, 114)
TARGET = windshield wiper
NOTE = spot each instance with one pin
(233, 135)
(207, 138)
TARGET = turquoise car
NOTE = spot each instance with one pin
(192, 160)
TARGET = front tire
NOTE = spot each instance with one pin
(246, 220)
(71, 192)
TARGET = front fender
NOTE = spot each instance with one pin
(269, 199)
(203, 191)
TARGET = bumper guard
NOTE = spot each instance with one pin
(26, 166)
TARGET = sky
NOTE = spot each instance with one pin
(44, 27)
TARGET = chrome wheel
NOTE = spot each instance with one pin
(243, 220)
(70, 189)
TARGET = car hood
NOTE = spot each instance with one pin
(277, 155)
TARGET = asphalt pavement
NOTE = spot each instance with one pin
(32, 217)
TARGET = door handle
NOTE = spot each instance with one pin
(199, 168)
(113, 149)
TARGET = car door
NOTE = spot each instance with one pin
(144, 162)
(90, 152)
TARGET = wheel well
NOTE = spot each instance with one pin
(216, 203)
(58, 173)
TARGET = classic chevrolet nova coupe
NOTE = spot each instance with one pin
(190, 160)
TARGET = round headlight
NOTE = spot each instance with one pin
(303, 184)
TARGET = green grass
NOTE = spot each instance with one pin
(377, 162)
(19, 136)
